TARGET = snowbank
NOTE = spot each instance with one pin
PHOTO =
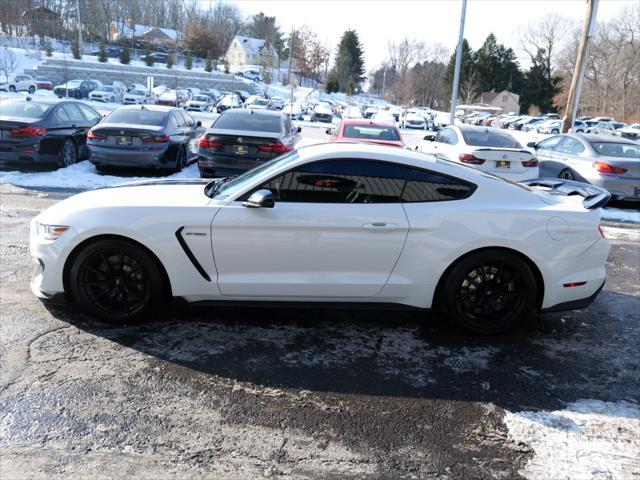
(590, 439)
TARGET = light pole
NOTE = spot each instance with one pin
(456, 77)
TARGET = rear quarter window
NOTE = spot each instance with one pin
(425, 186)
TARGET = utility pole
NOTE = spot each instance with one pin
(456, 77)
(384, 79)
(290, 56)
(578, 72)
(79, 24)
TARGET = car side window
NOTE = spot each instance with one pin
(74, 112)
(340, 181)
(179, 119)
(61, 115)
(175, 121)
(550, 143)
(188, 119)
(425, 186)
(570, 145)
(89, 113)
(447, 136)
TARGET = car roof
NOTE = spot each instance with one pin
(155, 108)
(364, 121)
(42, 100)
(362, 149)
(250, 111)
(594, 137)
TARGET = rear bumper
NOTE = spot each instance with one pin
(24, 154)
(575, 304)
(133, 158)
(620, 188)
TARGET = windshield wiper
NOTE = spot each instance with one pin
(212, 187)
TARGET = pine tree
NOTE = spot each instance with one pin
(538, 88)
(125, 54)
(148, 59)
(169, 61)
(467, 66)
(76, 51)
(48, 48)
(332, 83)
(188, 62)
(208, 64)
(350, 61)
(497, 67)
(102, 53)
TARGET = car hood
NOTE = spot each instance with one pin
(157, 194)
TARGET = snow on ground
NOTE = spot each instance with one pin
(590, 439)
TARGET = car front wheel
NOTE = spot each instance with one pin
(567, 174)
(116, 281)
(31, 89)
(489, 292)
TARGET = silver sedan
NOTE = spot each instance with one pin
(607, 161)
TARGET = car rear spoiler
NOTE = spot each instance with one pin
(594, 197)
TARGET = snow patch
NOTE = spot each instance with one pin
(590, 439)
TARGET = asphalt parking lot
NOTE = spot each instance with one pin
(246, 393)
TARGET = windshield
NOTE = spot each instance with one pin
(201, 98)
(228, 188)
(138, 92)
(24, 109)
(261, 101)
(138, 116)
(106, 89)
(622, 150)
(489, 139)
(248, 121)
(371, 132)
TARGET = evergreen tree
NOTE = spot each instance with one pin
(148, 59)
(332, 83)
(349, 61)
(125, 54)
(467, 66)
(497, 67)
(265, 28)
(208, 65)
(76, 51)
(170, 61)
(48, 48)
(538, 88)
(188, 62)
(102, 53)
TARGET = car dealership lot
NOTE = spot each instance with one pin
(313, 393)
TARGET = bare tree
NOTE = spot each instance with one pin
(8, 61)
(548, 34)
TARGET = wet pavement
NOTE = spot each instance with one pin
(246, 393)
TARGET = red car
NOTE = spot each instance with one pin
(44, 83)
(363, 130)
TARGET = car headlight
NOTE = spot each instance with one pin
(50, 232)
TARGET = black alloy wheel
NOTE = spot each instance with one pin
(31, 89)
(68, 153)
(489, 292)
(181, 159)
(567, 174)
(116, 281)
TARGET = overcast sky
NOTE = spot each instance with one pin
(379, 21)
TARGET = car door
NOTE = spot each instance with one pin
(192, 132)
(546, 149)
(79, 127)
(336, 231)
(569, 152)
(442, 144)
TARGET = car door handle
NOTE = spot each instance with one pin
(380, 227)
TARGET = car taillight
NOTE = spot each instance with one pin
(470, 159)
(602, 167)
(601, 230)
(155, 138)
(27, 132)
(95, 136)
(276, 147)
(207, 142)
(530, 163)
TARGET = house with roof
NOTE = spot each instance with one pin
(146, 33)
(42, 21)
(251, 51)
(508, 101)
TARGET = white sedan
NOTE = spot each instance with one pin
(329, 223)
(487, 149)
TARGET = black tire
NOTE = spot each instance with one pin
(12, 88)
(567, 174)
(31, 89)
(181, 159)
(489, 292)
(555, 130)
(68, 153)
(116, 281)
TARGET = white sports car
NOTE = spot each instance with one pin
(350, 223)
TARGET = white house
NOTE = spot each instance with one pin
(251, 51)
(128, 29)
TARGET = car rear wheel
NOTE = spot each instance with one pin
(31, 89)
(116, 281)
(567, 174)
(489, 292)
(68, 153)
(12, 88)
(181, 159)
(555, 130)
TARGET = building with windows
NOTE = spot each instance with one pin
(251, 51)
(506, 100)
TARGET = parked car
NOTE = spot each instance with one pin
(522, 122)
(43, 83)
(294, 110)
(77, 88)
(142, 96)
(261, 104)
(18, 83)
(370, 131)
(212, 93)
(228, 101)
(149, 136)
(533, 126)
(351, 111)
(327, 224)
(241, 139)
(173, 98)
(251, 74)
(554, 127)
(606, 161)
(603, 127)
(110, 51)
(243, 94)
(157, 57)
(629, 132)
(277, 103)
(370, 111)
(322, 112)
(199, 103)
(412, 119)
(44, 130)
(486, 149)
(107, 93)
(384, 116)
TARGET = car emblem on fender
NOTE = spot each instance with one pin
(239, 139)
(504, 157)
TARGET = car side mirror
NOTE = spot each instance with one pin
(198, 123)
(429, 138)
(531, 144)
(299, 129)
(260, 199)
